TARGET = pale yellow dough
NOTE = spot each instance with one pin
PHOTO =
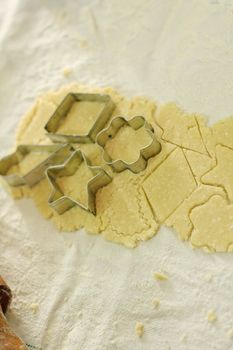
(180, 129)
(188, 186)
(211, 316)
(221, 174)
(75, 185)
(169, 185)
(139, 329)
(119, 147)
(213, 224)
(74, 120)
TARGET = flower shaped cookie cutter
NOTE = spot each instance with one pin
(64, 108)
(61, 202)
(58, 154)
(146, 152)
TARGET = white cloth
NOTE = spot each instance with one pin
(91, 292)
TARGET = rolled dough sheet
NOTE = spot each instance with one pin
(186, 173)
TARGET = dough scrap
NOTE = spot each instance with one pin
(213, 224)
(159, 276)
(169, 185)
(179, 128)
(221, 174)
(139, 329)
(211, 316)
(186, 186)
(156, 303)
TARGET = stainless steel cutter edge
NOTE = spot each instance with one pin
(64, 107)
(58, 154)
(150, 150)
(60, 202)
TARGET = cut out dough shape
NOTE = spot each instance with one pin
(179, 128)
(170, 184)
(130, 208)
(180, 219)
(222, 174)
(213, 224)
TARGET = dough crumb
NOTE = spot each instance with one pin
(139, 329)
(67, 71)
(211, 316)
(83, 43)
(183, 338)
(156, 303)
(34, 307)
(209, 277)
(230, 333)
(160, 276)
(80, 314)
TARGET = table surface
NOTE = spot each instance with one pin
(91, 292)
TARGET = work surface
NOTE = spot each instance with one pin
(77, 291)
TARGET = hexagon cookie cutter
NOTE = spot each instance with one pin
(61, 202)
(63, 109)
(150, 150)
(58, 155)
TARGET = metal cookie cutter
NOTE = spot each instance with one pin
(63, 109)
(58, 155)
(58, 200)
(150, 150)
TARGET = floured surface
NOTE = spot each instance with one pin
(92, 293)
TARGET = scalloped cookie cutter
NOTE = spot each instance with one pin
(58, 155)
(58, 200)
(150, 150)
(63, 109)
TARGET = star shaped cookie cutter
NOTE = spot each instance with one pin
(61, 202)
(58, 155)
(150, 150)
(63, 109)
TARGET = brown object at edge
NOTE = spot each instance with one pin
(5, 295)
(8, 339)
